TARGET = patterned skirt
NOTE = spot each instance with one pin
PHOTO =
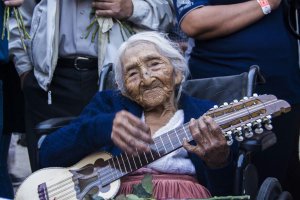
(168, 186)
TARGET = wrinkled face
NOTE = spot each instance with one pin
(149, 77)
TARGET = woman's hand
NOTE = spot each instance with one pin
(130, 133)
(11, 3)
(119, 9)
(211, 144)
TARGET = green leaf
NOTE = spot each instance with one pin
(140, 191)
(132, 197)
(147, 183)
(121, 197)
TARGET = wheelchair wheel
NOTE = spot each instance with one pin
(270, 189)
(285, 195)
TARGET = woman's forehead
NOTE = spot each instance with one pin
(141, 52)
(140, 46)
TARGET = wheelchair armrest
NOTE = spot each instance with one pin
(259, 142)
(50, 125)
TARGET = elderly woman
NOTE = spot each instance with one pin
(149, 71)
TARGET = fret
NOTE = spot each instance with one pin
(160, 147)
(166, 143)
(180, 141)
(146, 157)
(163, 145)
(170, 140)
(119, 165)
(174, 139)
(157, 150)
(134, 162)
(154, 153)
(181, 133)
(138, 155)
(187, 136)
(124, 163)
(151, 153)
(143, 159)
(128, 162)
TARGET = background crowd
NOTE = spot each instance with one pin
(59, 71)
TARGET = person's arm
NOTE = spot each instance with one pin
(150, 14)
(19, 55)
(209, 21)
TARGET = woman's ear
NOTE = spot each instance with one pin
(179, 77)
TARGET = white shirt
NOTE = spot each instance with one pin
(178, 161)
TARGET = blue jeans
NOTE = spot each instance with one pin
(6, 189)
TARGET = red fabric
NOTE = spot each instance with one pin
(168, 186)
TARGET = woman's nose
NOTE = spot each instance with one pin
(146, 77)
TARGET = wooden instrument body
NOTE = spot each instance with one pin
(29, 188)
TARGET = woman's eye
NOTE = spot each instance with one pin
(131, 74)
(153, 64)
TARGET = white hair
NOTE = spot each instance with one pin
(165, 47)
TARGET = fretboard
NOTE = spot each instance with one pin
(121, 165)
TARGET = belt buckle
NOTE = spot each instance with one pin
(76, 65)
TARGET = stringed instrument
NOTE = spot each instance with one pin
(99, 174)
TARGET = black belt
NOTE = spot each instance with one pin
(79, 63)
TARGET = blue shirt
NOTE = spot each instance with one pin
(266, 43)
(3, 43)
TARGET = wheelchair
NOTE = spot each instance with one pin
(218, 90)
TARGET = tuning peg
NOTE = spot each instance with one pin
(224, 104)
(266, 120)
(269, 127)
(235, 101)
(228, 133)
(215, 107)
(257, 126)
(238, 134)
(258, 130)
(248, 130)
(245, 98)
(228, 137)
(229, 142)
(255, 95)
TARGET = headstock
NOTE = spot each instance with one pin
(251, 115)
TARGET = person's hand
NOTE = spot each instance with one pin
(22, 78)
(11, 3)
(119, 9)
(130, 134)
(211, 144)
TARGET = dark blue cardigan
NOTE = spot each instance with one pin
(92, 132)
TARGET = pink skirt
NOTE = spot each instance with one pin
(168, 186)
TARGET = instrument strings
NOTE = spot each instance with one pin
(110, 172)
